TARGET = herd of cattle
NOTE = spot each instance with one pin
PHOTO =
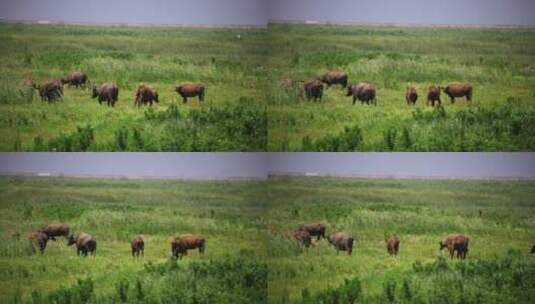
(108, 92)
(342, 241)
(366, 93)
(87, 244)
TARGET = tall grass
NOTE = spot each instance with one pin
(162, 57)
(497, 62)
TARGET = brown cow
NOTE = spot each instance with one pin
(303, 237)
(145, 94)
(191, 90)
(433, 94)
(342, 242)
(50, 90)
(364, 91)
(334, 77)
(411, 95)
(392, 245)
(314, 229)
(75, 78)
(54, 230)
(108, 92)
(456, 242)
(313, 89)
(457, 89)
(138, 246)
(85, 243)
(38, 239)
(181, 244)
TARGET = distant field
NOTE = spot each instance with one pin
(114, 211)
(499, 63)
(498, 268)
(226, 60)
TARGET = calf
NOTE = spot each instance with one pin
(85, 244)
(342, 242)
(191, 90)
(303, 237)
(411, 95)
(433, 94)
(138, 246)
(145, 94)
(181, 244)
(313, 89)
(38, 239)
(392, 245)
(456, 242)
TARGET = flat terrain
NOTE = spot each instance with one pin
(227, 61)
(114, 211)
(497, 62)
(499, 218)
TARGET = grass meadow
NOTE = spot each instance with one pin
(227, 61)
(498, 268)
(228, 214)
(499, 63)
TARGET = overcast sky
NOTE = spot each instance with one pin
(423, 12)
(258, 165)
(257, 12)
(179, 12)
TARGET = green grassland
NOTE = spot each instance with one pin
(232, 117)
(228, 214)
(498, 268)
(499, 63)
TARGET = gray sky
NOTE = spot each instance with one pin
(422, 12)
(256, 12)
(258, 165)
(180, 12)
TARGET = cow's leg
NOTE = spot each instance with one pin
(354, 100)
(184, 99)
(452, 253)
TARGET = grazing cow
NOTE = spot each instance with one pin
(108, 92)
(76, 79)
(303, 237)
(191, 90)
(342, 242)
(181, 244)
(54, 230)
(138, 246)
(38, 239)
(145, 94)
(334, 77)
(85, 243)
(411, 95)
(50, 90)
(392, 245)
(314, 229)
(456, 242)
(433, 94)
(364, 91)
(457, 89)
(313, 89)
